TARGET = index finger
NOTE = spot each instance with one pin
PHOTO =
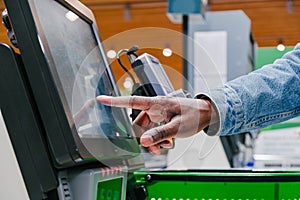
(135, 102)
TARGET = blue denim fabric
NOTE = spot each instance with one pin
(261, 98)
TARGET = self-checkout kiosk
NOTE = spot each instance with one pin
(55, 133)
(57, 142)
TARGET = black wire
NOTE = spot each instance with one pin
(123, 67)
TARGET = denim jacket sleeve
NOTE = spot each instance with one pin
(261, 98)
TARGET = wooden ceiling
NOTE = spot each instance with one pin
(271, 19)
(124, 23)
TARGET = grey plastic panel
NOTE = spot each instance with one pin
(93, 184)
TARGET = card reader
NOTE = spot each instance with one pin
(152, 76)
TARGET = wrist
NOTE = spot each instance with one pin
(212, 120)
(209, 114)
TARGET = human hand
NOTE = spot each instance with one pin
(183, 117)
(82, 116)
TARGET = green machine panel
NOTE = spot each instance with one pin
(110, 189)
(216, 185)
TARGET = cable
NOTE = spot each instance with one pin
(201, 157)
(121, 64)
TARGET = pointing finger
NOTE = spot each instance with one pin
(135, 102)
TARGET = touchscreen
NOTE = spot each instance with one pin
(80, 71)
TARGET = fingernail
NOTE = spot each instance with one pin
(146, 140)
(104, 99)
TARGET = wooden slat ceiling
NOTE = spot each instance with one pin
(270, 19)
(122, 24)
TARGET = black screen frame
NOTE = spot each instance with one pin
(63, 141)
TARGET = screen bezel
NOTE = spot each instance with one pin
(57, 79)
(63, 140)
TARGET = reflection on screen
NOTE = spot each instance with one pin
(79, 71)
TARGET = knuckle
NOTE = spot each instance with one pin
(161, 100)
(132, 100)
(159, 134)
(156, 100)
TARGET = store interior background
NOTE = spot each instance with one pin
(271, 22)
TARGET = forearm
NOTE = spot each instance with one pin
(264, 97)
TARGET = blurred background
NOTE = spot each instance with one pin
(272, 22)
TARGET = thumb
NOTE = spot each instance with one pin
(160, 133)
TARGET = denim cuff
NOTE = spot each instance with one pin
(228, 108)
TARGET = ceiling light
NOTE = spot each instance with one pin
(127, 83)
(111, 54)
(167, 52)
(280, 46)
